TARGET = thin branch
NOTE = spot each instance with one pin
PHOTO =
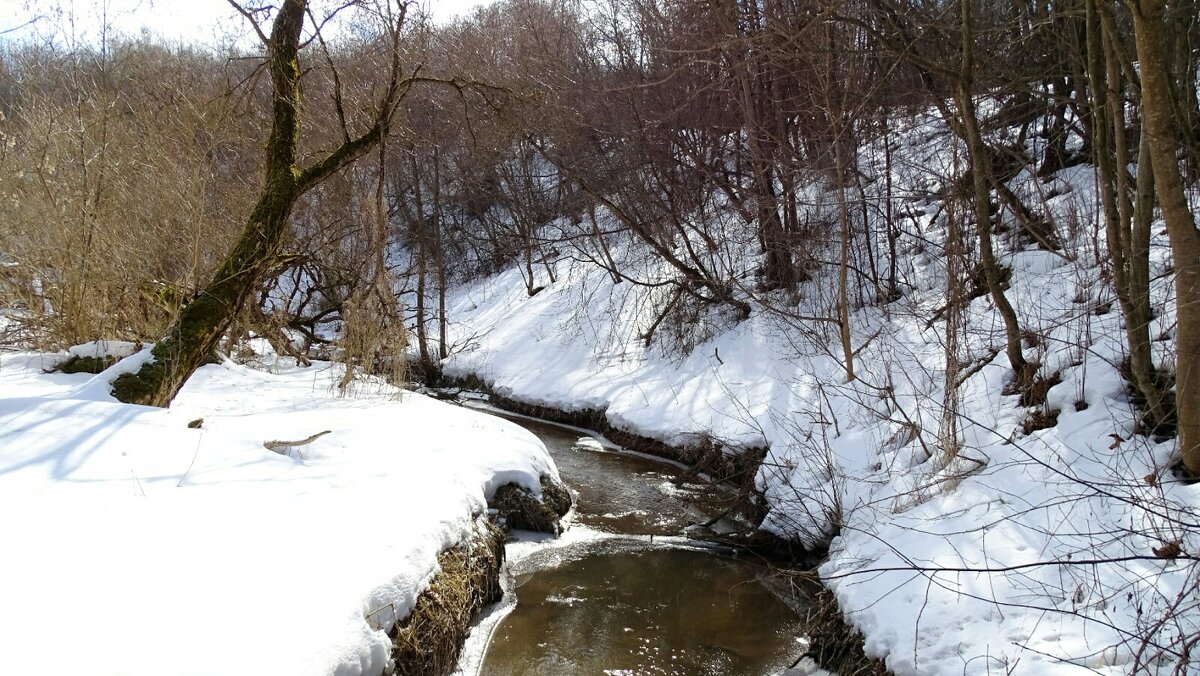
(337, 79)
(249, 14)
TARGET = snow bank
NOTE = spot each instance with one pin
(135, 544)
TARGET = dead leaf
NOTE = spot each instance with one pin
(1168, 551)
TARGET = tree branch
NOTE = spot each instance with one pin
(262, 37)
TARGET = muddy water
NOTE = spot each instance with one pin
(615, 604)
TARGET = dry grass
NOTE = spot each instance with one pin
(429, 640)
(834, 645)
(373, 337)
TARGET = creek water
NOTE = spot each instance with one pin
(622, 592)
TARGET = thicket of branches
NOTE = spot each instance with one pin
(695, 129)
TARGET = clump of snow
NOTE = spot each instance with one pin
(98, 349)
(589, 444)
(136, 544)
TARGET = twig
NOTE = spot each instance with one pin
(278, 446)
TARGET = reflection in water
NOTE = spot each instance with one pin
(622, 493)
(666, 611)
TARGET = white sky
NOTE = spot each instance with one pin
(203, 21)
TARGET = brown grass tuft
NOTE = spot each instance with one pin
(429, 640)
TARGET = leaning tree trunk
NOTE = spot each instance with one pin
(1151, 33)
(193, 337)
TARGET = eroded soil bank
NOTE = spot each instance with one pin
(429, 640)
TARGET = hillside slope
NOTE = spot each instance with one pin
(1022, 539)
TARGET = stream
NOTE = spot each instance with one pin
(622, 591)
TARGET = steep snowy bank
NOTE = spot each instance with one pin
(139, 545)
(1033, 548)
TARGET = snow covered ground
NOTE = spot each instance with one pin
(135, 544)
(1029, 553)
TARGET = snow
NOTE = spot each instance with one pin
(589, 444)
(138, 545)
(104, 348)
(968, 565)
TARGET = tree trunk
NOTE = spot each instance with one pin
(893, 285)
(1158, 117)
(844, 253)
(756, 106)
(420, 227)
(1126, 214)
(439, 255)
(948, 429)
(981, 182)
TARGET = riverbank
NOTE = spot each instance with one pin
(217, 537)
(428, 641)
(954, 510)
